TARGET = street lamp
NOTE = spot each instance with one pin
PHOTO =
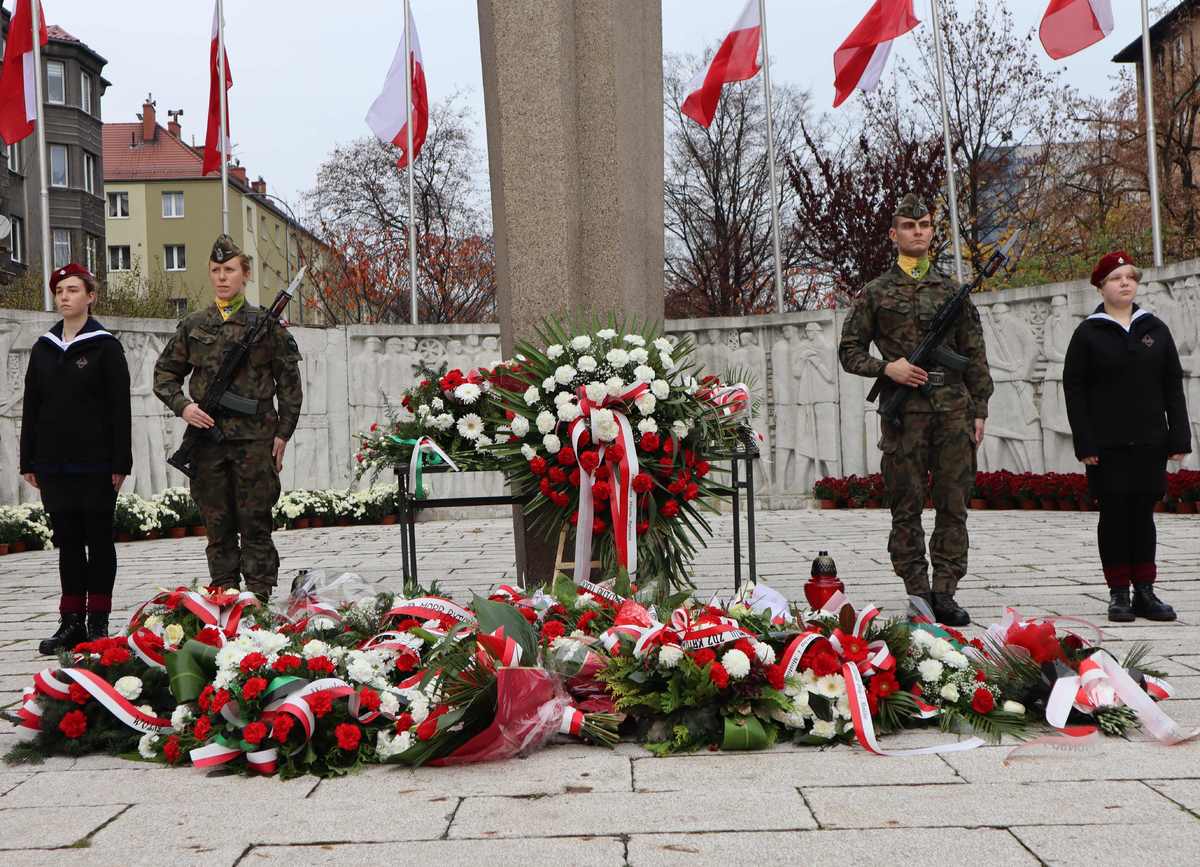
(287, 257)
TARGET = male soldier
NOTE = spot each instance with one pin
(237, 480)
(943, 422)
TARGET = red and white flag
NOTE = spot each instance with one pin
(18, 96)
(738, 58)
(389, 116)
(212, 139)
(1072, 25)
(859, 61)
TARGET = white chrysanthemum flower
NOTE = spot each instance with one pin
(389, 703)
(596, 391)
(680, 428)
(532, 395)
(765, 653)
(568, 411)
(181, 716)
(587, 364)
(437, 403)
(829, 686)
(940, 648)
(660, 389)
(586, 600)
(826, 729)
(564, 373)
(643, 373)
(930, 670)
(443, 421)
(669, 656)
(173, 635)
(614, 385)
(949, 692)
(519, 426)
(528, 452)
(129, 686)
(662, 344)
(606, 334)
(314, 648)
(554, 351)
(604, 425)
(146, 745)
(545, 421)
(921, 638)
(634, 339)
(954, 659)
(336, 654)
(639, 355)
(423, 411)
(483, 441)
(645, 403)
(418, 704)
(551, 443)
(563, 397)
(808, 678)
(1011, 706)
(470, 426)
(647, 425)
(666, 361)
(230, 655)
(468, 392)
(549, 384)
(842, 708)
(736, 663)
(580, 343)
(224, 678)
(617, 357)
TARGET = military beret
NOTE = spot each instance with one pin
(1109, 263)
(70, 270)
(224, 249)
(911, 207)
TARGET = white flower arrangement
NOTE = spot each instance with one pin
(669, 656)
(736, 663)
(129, 686)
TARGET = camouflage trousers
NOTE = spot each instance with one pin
(940, 444)
(235, 487)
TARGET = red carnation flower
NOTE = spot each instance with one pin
(585, 439)
(282, 727)
(821, 661)
(115, 656)
(702, 469)
(573, 477)
(983, 701)
(689, 458)
(691, 492)
(220, 698)
(73, 724)
(599, 526)
(202, 729)
(650, 442)
(320, 665)
(209, 635)
(368, 699)
(669, 509)
(78, 694)
(537, 466)
(320, 703)
(704, 657)
(776, 676)
(253, 688)
(427, 729)
(718, 675)
(348, 736)
(589, 460)
(559, 499)
(1039, 639)
(404, 722)
(254, 732)
(251, 661)
(286, 663)
(585, 620)
(529, 614)
(565, 456)
(602, 490)
(668, 445)
(616, 452)
(980, 677)
(552, 630)
(406, 660)
(557, 475)
(171, 750)
(643, 527)
(665, 464)
(642, 483)
(545, 487)
(676, 487)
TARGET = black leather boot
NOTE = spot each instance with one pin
(1119, 608)
(1149, 606)
(97, 626)
(948, 612)
(70, 632)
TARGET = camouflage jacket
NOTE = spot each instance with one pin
(894, 312)
(270, 371)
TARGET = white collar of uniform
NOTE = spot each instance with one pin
(1100, 314)
(83, 335)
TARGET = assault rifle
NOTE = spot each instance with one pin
(930, 350)
(218, 397)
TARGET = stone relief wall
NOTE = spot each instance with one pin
(813, 416)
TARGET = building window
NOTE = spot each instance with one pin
(89, 173)
(175, 258)
(62, 247)
(91, 252)
(13, 152)
(85, 92)
(118, 205)
(56, 82)
(59, 176)
(172, 205)
(118, 258)
(18, 239)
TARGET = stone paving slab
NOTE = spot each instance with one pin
(1067, 846)
(580, 851)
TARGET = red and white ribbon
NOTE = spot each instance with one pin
(572, 721)
(210, 755)
(116, 704)
(139, 643)
(864, 728)
(500, 647)
(795, 651)
(712, 635)
(432, 608)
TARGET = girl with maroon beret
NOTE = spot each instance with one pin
(1125, 403)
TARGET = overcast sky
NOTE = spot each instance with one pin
(305, 72)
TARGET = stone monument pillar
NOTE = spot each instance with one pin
(573, 99)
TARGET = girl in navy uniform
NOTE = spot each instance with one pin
(76, 449)
(1125, 403)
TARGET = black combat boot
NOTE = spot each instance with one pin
(948, 612)
(1119, 608)
(1149, 606)
(97, 626)
(71, 631)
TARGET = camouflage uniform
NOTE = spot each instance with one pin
(236, 483)
(894, 312)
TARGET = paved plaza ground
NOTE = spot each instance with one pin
(1130, 802)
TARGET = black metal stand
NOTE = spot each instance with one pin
(747, 455)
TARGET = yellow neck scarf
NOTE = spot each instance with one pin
(912, 266)
(230, 307)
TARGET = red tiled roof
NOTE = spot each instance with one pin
(128, 158)
(56, 32)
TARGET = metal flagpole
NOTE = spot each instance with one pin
(766, 63)
(43, 156)
(951, 186)
(1151, 156)
(412, 198)
(224, 111)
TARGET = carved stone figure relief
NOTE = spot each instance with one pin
(1012, 440)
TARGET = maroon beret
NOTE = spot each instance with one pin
(73, 269)
(1109, 263)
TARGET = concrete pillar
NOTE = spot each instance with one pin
(573, 98)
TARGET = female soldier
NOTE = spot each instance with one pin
(1124, 390)
(75, 448)
(237, 479)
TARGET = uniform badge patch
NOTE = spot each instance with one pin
(81, 362)
(1148, 340)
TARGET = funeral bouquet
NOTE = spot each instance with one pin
(610, 435)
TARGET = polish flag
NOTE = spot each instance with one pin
(212, 139)
(738, 58)
(859, 61)
(1072, 25)
(388, 117)
(18, 96)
